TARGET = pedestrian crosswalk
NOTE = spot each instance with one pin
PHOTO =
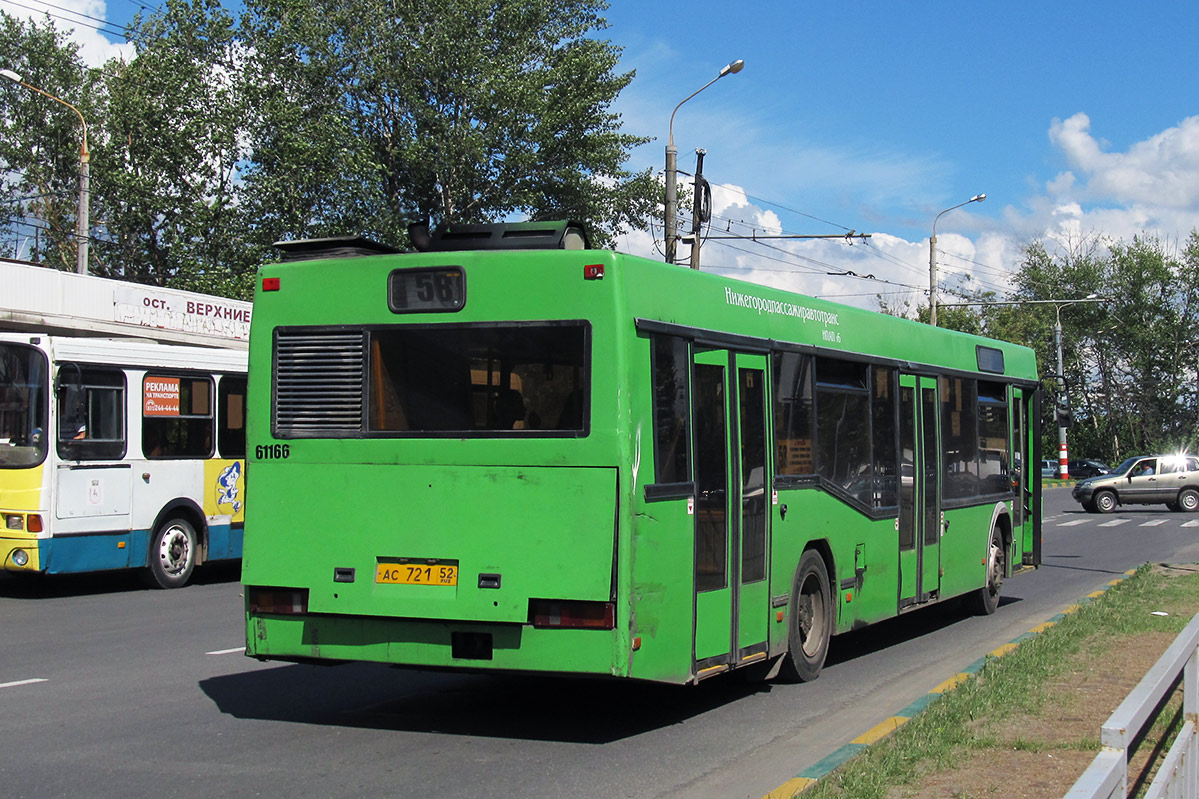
(1074, 520)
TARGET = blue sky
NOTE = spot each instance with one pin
(1075, 118)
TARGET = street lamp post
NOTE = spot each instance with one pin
(1063, 452)
(83, 224)
(672, 156)
(932, 259)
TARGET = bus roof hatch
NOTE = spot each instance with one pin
(560, 235)
(336, 247)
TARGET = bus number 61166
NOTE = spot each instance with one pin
(272, 452)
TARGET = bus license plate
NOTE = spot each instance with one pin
(416, 574)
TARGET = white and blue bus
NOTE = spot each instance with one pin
(120, 453)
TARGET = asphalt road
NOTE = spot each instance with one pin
(107, 689)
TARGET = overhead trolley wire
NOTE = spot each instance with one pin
(118, 32)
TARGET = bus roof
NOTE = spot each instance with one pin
(132, 352)
(44, 300)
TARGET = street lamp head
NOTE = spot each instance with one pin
(8, 73)
(734, 67)
(978, 198)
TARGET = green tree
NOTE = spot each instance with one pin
(40, 141)
(376, 114)
(1129, 360)
(166, 191)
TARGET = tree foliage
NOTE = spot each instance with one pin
(441, 110)
(1129, 352)
(318, 118)
(1130, 348)
(166, 195)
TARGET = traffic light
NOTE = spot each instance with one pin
(1062, 412)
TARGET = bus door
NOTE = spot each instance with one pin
(920, 496)
(732, 489)
(1028, 411)
(1027, 476)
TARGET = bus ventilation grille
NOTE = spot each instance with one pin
(318, 382)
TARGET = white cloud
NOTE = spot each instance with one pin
(1161, 172)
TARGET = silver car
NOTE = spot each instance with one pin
(1172, 480)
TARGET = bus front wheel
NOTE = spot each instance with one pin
(172, 554)
(811, 622)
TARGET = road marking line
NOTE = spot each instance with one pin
(1074, 523)
(1153, 523)
(15, 683)
(227, 651)
(1115, 522)
(1191, 523)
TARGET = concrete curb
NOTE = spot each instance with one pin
(809, 776)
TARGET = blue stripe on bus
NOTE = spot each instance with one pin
(72, 554)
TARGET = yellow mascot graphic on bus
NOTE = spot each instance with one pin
(227, 493)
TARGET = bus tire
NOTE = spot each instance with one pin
(172, 557)
(985, 600)
(811, 622)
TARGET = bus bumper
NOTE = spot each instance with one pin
(20, 554)
(425, 643)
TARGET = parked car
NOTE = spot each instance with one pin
(1086, 467)
(1172, 480)
(1050, 469)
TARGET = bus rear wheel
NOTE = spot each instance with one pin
(172, 554)
(811, 622)
(984, 601)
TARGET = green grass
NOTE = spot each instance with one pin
(1021, 682)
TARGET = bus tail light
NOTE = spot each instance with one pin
(593, 272)
(270, 284)
(277, 601)
(572, 615)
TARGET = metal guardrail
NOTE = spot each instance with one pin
(1178, 775)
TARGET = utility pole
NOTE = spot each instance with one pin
(700, 206)
(1061, 410)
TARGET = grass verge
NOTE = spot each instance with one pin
(1028, 723)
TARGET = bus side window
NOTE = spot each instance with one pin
(177, 416)
(91, 413)
(231, 429)
(669, 362)
(793, 414)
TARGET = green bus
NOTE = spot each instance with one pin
(510, 452)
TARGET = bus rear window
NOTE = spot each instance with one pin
(517, 379)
